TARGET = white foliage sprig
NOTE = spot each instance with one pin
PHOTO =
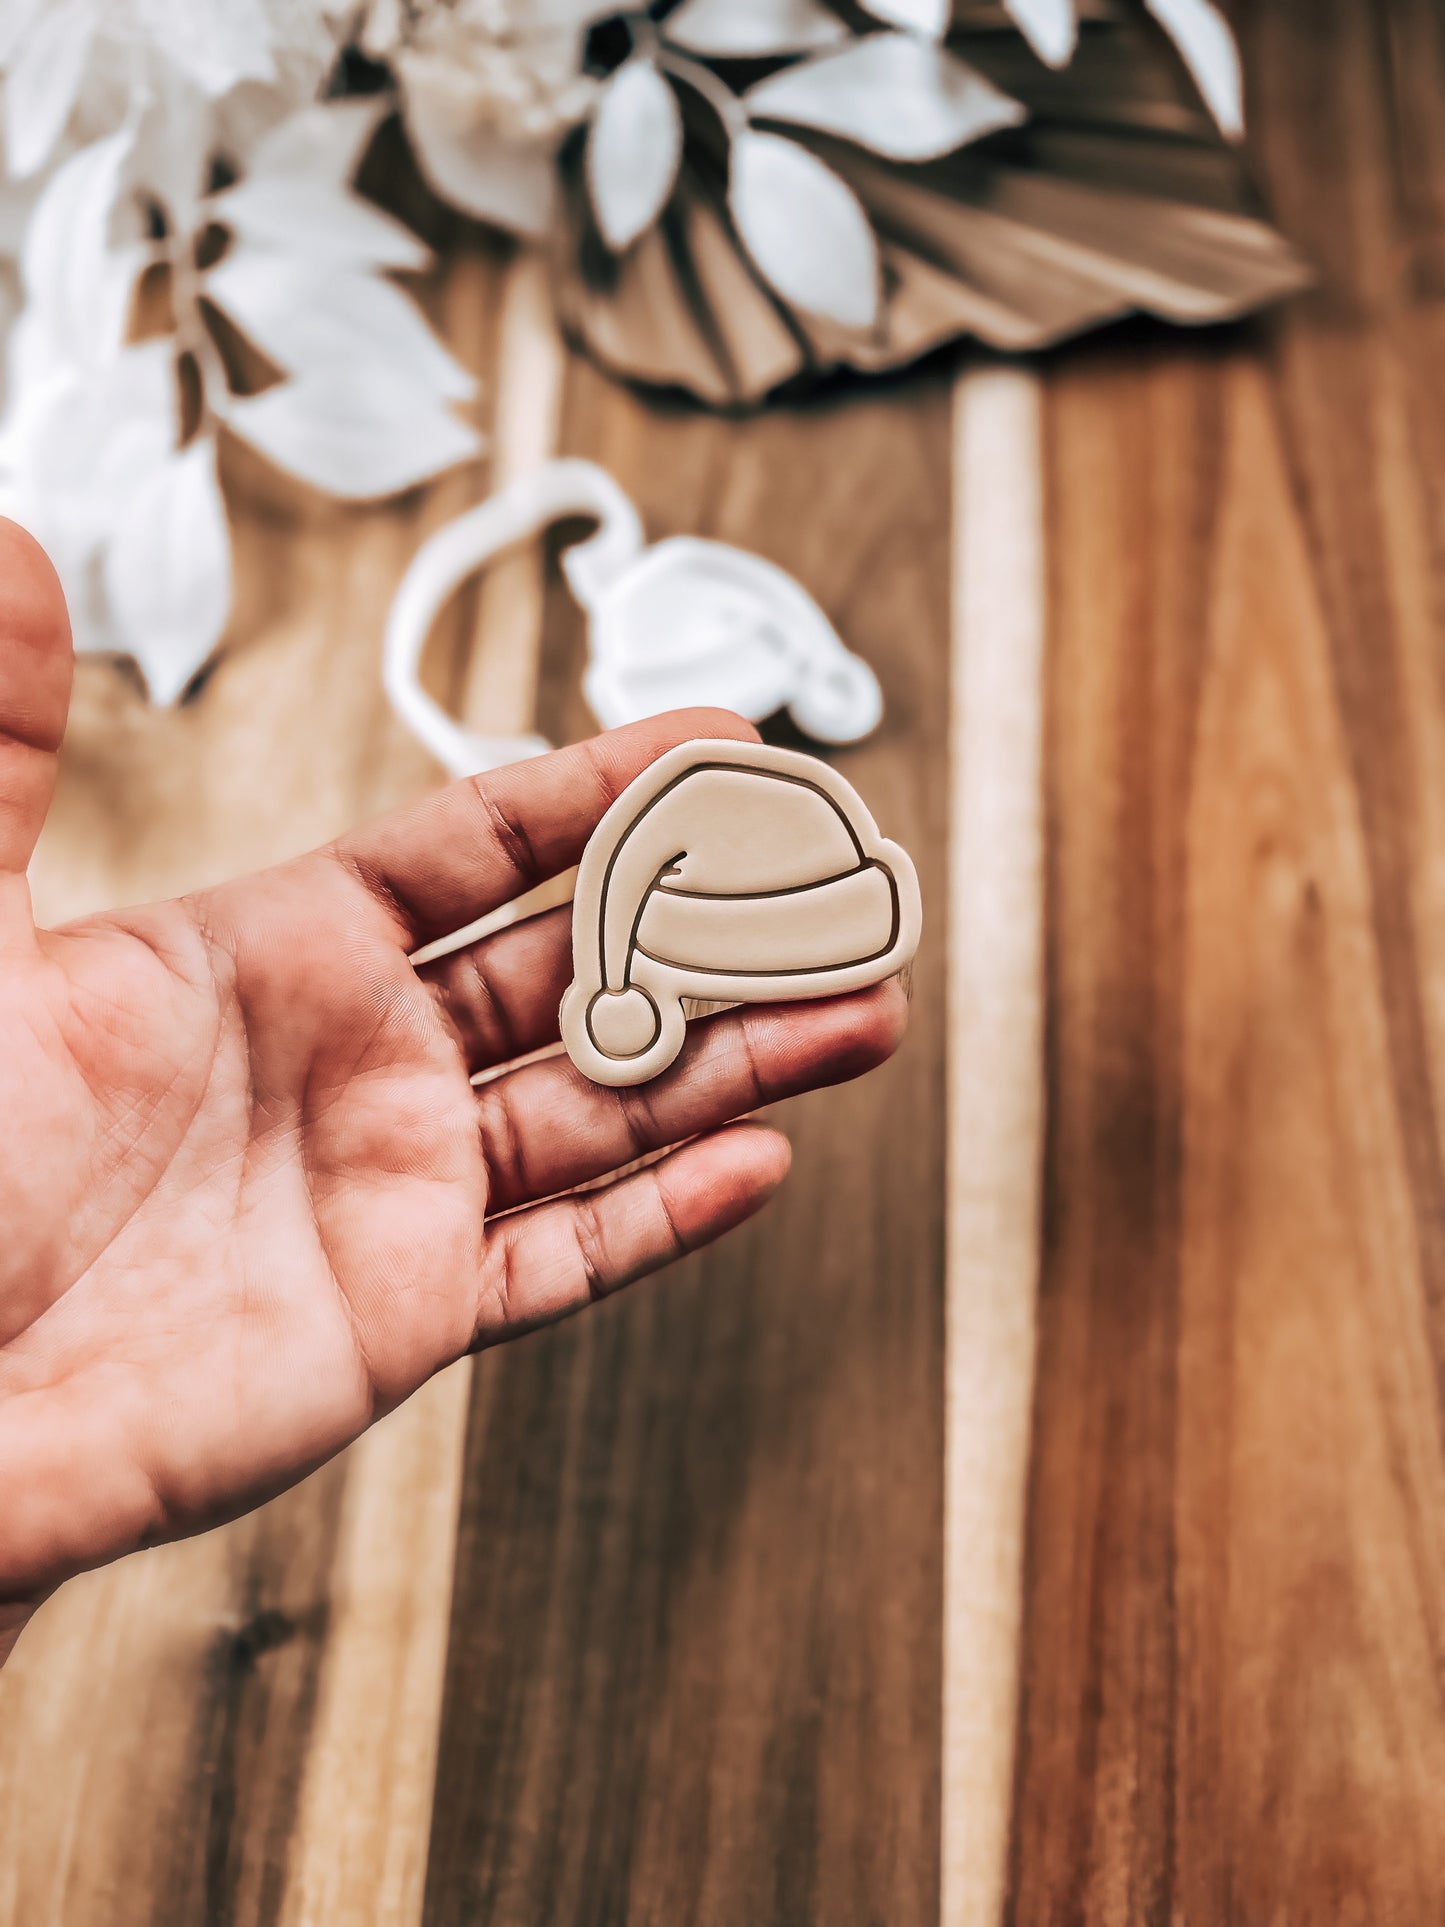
(363, 410)
(94, 455)
(76, 69)
(899, 94)
(896, 90)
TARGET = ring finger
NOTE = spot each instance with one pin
(546, 1128)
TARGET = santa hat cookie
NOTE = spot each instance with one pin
(731, 872)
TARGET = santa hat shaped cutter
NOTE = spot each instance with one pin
(727, 872)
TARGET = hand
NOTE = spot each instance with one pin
(249, 1199)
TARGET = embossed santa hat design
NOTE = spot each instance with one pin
(730, 872)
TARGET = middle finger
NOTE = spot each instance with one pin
(502, 995)
(546, 1128)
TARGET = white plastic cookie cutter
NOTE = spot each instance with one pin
(684, 621)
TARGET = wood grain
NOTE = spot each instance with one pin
(1235, 1606)
(357, 1850)
(695, 1661)
(995, 1109)
(360, 1810)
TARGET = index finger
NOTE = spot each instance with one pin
(473, 846)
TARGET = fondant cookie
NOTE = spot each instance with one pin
(731, 872)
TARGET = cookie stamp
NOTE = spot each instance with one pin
(730, 872)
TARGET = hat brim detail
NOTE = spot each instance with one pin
(843, 921)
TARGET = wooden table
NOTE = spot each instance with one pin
(1043, 1505)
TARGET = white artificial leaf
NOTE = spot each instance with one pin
(216, 43)
(306, 317)
(930, 17)
(66, 260)
(77, 445)
(32, 368)
(736, 29)
(87, 434)
(177, 141)
(318, 220)
(168, 570)
(113, 294)
(17, 17)
(905, 98)
(324, 142)
(1049, 26)
(42, 84)
(1207, 47)
(306, 47)
(508, 183)
(383, 29)
(11, 302)
(634, 148)
(98, 438)
(805, 228)
(355, 435)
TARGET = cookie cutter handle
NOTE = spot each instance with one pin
(523, 509)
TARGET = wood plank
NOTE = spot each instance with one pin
(358, 1844)
(1235, 1604)
(995, 1110)
(209, 1660)
(695, 1660)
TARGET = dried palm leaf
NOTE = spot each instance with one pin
(888, 191)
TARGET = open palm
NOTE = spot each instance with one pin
(249, 1197)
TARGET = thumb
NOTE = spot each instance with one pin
(35, 671)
